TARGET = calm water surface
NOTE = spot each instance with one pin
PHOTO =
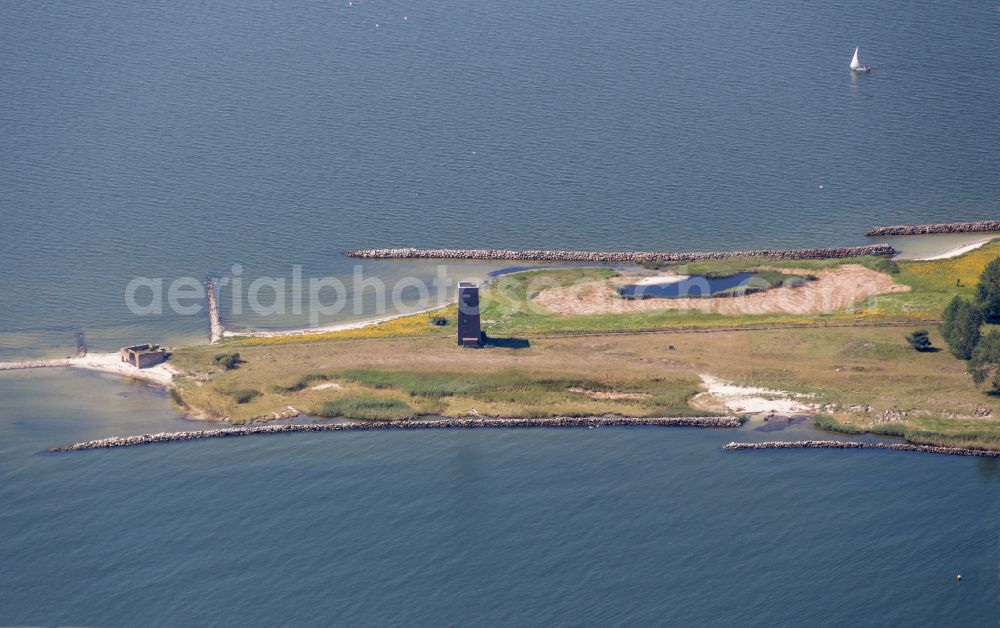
(539, 527)
(178, 138)
(168, 139)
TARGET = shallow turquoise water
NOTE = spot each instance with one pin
(532, 527)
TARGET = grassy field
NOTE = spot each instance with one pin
(870, 377)
(509, 310)
(866, 378)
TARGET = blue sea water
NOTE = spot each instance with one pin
(169, 139)
(172, 139)
(609, 526)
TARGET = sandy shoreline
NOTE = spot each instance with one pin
(160, 375)
(955, 252)
(309, 331)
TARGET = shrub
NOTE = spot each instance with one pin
(245, 395)
(985, 361)
(960, 327)
(919, 340)
(439, 321)
(887, 266)
(299, 384)
(830, 424)
(176, 396)
(227, 361)
(988, 291)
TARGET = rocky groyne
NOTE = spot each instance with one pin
(471, 423)
(216, 329)
(35, 364)
(946, 227)
(617, 257)
(843, 444)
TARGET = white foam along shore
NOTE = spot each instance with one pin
(160, 375)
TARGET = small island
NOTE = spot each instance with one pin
(832, 345)
(850, 339)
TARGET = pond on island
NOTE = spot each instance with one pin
(695, 286)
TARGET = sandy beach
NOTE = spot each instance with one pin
(308, 331)
(955, 252)
(160, 375)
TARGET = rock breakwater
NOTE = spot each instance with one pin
(946, 227)
(481, 422)
(618, 257)
(843, 444)
(216, 328)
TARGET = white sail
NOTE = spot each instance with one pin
(855, 64)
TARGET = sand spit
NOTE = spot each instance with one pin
(955, 252)
(471, 423)
(310, 331)
(842, 444)
(947, 227)
(161, 374)
(834, 289)
(624, 257)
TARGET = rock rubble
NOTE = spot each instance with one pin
(947, 227)
(843, 444)
(480, 422)
(618, 257)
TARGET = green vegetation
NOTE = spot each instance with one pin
(366, 407)
(887, 266)
(866, 379)
(830, 424)
(175, 395)
(439, 321)
(301, 383)
(988, 291)
(245, 395)
(227, 361)
(985, 361)
(919, 340)
(960, 326)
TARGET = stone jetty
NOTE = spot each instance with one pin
(946, 227)
(844, 444)
(216, 329)
(470, 423)
(619, 257)
(35, 364)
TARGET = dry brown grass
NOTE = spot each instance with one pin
(842, 366)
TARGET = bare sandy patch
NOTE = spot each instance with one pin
(834, 289)
(326, 386)
(161, 374)
(608, 394)
(750, 399)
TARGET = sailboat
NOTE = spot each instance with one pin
(856, 65)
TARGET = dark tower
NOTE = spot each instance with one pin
(469, 331)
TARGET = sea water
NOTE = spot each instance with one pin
(515, 527)
(178, 139)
